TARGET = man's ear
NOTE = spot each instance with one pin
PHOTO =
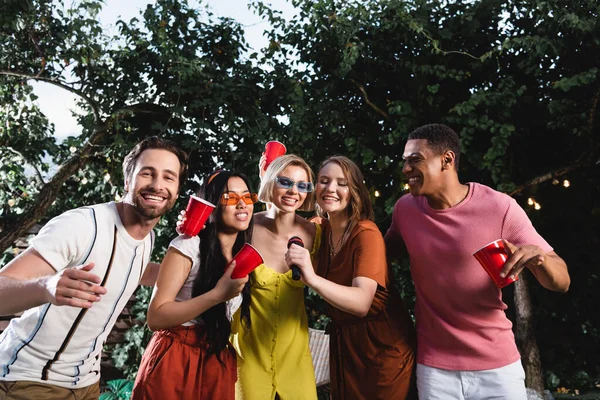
(126, 185)
(448, 159)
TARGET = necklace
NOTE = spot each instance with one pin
(333, 250)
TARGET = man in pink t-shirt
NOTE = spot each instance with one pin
(466, 347)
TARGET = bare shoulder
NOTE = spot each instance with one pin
(307, 230)
(306, 225)
(260, 218)
(260, 232)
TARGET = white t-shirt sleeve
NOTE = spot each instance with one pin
(232, 305)
(189, 246)
(66, 240)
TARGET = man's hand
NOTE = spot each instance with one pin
(76, 287)
(520, 257)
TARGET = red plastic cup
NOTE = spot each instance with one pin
(246, 260)
(273, 149)
(492, 257)
(196, 213)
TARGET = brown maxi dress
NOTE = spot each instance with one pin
(372, 357)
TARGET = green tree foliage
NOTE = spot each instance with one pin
(518, 79)
(175, 70)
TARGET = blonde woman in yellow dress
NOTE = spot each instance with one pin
(274, 360)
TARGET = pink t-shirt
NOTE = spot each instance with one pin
(461, 324)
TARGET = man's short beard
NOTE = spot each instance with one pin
(150, 212)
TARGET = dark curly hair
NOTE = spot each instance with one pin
(440, 138)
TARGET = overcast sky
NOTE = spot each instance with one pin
(57, 103)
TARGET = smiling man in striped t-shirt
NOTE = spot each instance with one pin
(76, 277)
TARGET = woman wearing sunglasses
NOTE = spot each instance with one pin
(189, 355)
(372, 342)
(274, 358)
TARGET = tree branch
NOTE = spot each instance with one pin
(591, 118)
(18, 153)
(593, 112)
(35, 41)
(11, 230)
(369, 102)
(525, 335)
(92, 103)
(546, 177)
(587, 159)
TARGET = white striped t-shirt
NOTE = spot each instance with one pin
(61, 345)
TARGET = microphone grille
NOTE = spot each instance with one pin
(295, 240)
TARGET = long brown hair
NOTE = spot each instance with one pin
(359, 203)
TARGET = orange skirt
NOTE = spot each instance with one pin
(175, 366)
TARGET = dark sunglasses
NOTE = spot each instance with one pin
(287, 183)
(232, 199)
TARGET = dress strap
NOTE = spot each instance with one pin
(317, 240)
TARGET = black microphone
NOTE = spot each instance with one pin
(295, 270)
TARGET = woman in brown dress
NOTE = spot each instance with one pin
(372, 343)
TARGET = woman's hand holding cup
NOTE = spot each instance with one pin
(227, 287)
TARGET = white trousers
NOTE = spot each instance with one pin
(505, 383)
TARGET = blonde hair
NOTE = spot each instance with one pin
(265, 193)
(359, 203)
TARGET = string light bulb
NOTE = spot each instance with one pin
(530, 201)
(566, 183)
(537, 206)
(406, 187)
(377, 194)
(555, 181)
